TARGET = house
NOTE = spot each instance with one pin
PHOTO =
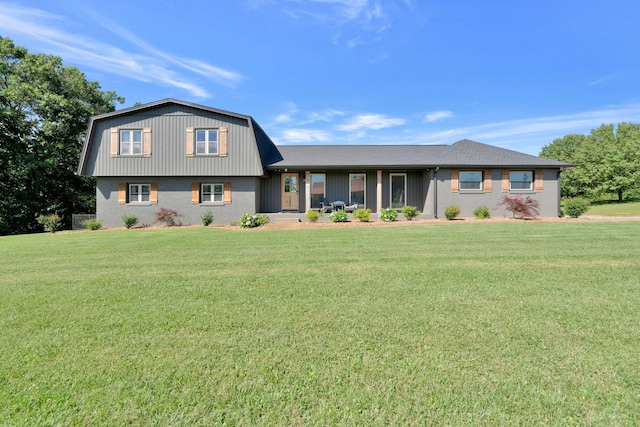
(194, 159)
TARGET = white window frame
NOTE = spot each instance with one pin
(139, 193)
(206, 142)
(212, 195)
(324, 188)
(404, 190)
(480, 182)
(364, 189)
(531, 180)
(130, 147)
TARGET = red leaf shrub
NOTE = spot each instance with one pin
(521, 207)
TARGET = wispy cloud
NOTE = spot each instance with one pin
(149, 64)
(371, 121)
(305, 135)
(437, 116)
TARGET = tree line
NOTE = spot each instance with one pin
(45, 107)
(607, 161)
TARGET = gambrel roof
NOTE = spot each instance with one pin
(461, 154)
(266, 149)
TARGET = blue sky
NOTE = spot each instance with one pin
(515, 74)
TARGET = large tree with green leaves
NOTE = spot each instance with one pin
(607, 161)
(44, 110)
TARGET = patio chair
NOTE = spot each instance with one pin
(325, 207)
(352, 207)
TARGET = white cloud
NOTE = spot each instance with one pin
(371, 121)
(437, 115)
(305, 135)
(151, 65)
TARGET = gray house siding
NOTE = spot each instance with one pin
(468, 201)
(168, 124)
(175, 193)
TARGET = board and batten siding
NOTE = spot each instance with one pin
(168, 125)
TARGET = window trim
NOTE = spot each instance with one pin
(131, 142)
(391, 175)
(140, 194)
(531, 181)
(471, 190)
(206, 141)
(324, 188)
(364, 189)
(213, 193)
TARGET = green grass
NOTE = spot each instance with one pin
(515, 323)
(615, 209)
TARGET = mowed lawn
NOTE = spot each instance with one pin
(465, 323)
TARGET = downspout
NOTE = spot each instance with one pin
(435, 192)
(559, 193)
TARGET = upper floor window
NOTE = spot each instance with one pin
(131, 142)
(521, 180)
(206, 141)
(470, 180)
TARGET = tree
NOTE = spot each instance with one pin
(608, 161)
(44, 111)
(572, 183)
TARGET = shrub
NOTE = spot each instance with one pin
(338, 215)
(207, 218)
(451, 212)
(51, 223)
(364, 215)
(93, 224)
(254, 220)
(410, 212)
(482, 212)
(575, 207)
(312, 216)
(521, 207)
(129, 220)
(166, 216)
(388, 215)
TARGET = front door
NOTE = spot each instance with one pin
(290, 195)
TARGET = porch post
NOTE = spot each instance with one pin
(379, 191)
(307, 190)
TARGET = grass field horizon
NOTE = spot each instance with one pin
(457, 324)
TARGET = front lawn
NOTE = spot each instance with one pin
(505, 323)
(614, 209)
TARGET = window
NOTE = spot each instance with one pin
(357, 187)
(398, 190)
(470, 180)
(139, 193)
(521, 180)
(212, 193)
(317, 189)
(131, 142)
(206, 141)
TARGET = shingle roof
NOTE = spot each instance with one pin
(462, 153)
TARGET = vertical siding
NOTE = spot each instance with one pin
(168, 145)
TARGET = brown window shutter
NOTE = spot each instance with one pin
(153, 196)
(122, 193)
(505, 181)
(488, 181)
(227, 193)
(454, 181)
(146, 142)
(113, 134)
(195, 193)
(190, 142)
(223, 141)
(539, 184)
